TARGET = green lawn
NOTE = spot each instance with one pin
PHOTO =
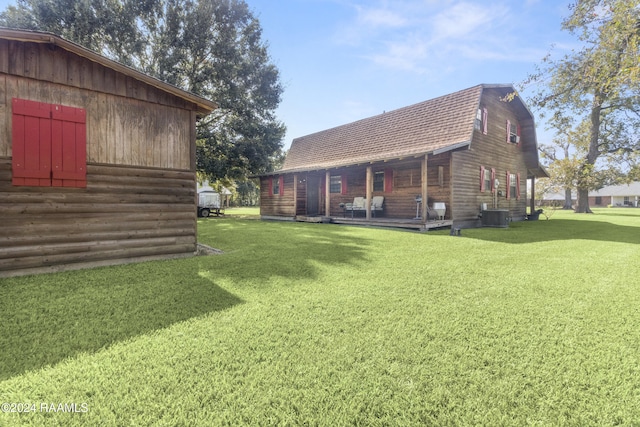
(243, 212)
(315, 324)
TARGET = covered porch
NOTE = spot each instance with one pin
(413, 224)
(385, 194)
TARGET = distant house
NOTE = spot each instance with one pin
(625, 195)
(557, 198)
(465, 150)
(97, 160)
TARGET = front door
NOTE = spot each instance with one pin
(313, 195)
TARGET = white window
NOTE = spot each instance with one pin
(513, 132)
(487, 179)
(513, 186)
(481, 120)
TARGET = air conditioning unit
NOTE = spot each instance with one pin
(515, 139)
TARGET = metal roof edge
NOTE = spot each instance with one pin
(369, 161)
(451, 147)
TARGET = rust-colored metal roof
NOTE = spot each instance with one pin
(437, 125)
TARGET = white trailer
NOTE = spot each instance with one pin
(209, 203)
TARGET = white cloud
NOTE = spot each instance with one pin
(422, 35)
(369, 22)
(463, 20)
(380, 18)
(406, 54)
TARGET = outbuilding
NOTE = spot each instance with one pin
(97, 160)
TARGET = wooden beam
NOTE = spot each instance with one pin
(295, 194)
(532, 205)
(369, 192)
(423, 180)
(327, 194)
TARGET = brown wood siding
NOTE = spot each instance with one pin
(128, 122)
(125, 213)
(400, 201)
(301, 199)
(491, 151)
(279, 204)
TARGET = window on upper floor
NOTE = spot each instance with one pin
(513, 132)
(481, 120)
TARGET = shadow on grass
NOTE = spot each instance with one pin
(45, 319)
(559, 229)
(267, 249)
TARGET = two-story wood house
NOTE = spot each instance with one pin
(467, 150)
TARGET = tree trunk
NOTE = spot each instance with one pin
(586, 170)
(568, 201)
(583, 201)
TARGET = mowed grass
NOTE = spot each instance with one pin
(315, 324)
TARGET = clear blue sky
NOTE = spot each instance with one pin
(343, 60)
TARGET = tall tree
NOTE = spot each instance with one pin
(599, 82)
(213, 48)
(109, 27)
(561, 162)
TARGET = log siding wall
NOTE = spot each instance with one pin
(491, 151)
(125, 213)
(277, 204)
(398, 203)
(140, 199)
(128, 121)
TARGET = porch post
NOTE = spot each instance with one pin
(369, 192)
(532, 203)
(327, 194)
(423, 180)
(295, 195)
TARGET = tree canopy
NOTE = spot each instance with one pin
(598, 84)
(213, 48)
